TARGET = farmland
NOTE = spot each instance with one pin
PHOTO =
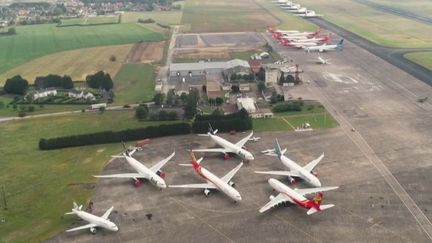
(38, 40)
(162, 17)
(76, 63)
(374, 25)
(134, 83)
(221, 16)
(421, 7)
(37, 199)
(97, 20)
(422, 58)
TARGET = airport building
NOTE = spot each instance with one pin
(203, 68)
(250, 106)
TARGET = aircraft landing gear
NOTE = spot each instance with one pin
(226, 156)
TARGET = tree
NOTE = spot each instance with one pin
(53, 80)
(141, 112)
(235, 89)
(183, 97)
(290, 79)
(11, 31)
(158, 98)
(163, 115)
(16, 85)
(219, 101)
(191, 104)
(172, 115)
(261, 86)
(102, 109)
(273, 98)
(234, 77)
(211, 101)
(1, 104)
(113, 58)
(170, 97)
(30, 108)
(100, 80)
(218, 112)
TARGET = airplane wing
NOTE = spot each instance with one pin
(160, 164)
(226, 178)
(309, 167)
(126, 175)
(199, 186)
(214, 150)
(87, 226)
(315, 190)
(107, 213)
(280, 198)
(282, 173)
(242, 142)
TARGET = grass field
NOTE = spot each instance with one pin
(162, 17)
(41, 185)
(38, 40)
(422, 58)
(289, 122)
(7, 112)
(287, 20)
(377, 26)
(225, 15)
(134, 83)
(97, 20)
(76, 63)
(243, 55)
(421, 7)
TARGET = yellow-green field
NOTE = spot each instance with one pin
(422, 58)
(287, 20)
(41, 185)
(379, 27)
(134, 83)
(225, 16)
(96, 20)
(162, 17)
(77, 63)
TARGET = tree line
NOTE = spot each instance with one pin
(239, 121)
(114, 136)
(295, 105)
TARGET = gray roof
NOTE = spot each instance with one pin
(208, 65)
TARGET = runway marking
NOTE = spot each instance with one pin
(202, 220)
(283, 118)
(370, 154)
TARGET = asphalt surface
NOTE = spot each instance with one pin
(396, 11)
(391, 55)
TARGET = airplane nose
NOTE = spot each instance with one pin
(317, 183)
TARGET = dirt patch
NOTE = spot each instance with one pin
(207, 53)
(146, 52)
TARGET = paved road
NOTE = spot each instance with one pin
(163, 72)
(391, 55)
(396, 11)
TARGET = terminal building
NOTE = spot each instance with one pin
(203, 68)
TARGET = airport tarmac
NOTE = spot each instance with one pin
(383, 169)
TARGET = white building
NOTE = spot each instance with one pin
(247, 103)
(81, 95)
(204, 68)
(44, 93)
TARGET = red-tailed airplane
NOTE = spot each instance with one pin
(296, 196)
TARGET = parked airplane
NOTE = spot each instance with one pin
(295, 170)
(223, 184)
(322, 60)
(325, 47)
(320, 39)
(291, 7)
(153, 174)
(299, 11)
(296, 196)
(309, 14)
(298, 44)
(255, 139)
(94, 221)
(306, 34)
(227, 147)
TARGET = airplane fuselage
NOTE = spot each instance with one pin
(154, 178)
(216, 181)
(304, 174)
(98, 221)
(232, 147)
(290, 193)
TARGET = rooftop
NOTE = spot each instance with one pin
(208, 65)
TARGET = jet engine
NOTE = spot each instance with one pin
(231, 183)
(93, 230)
(206, 192)
(292, 180)
(314, 173)
(226, 156)
(161, 174)
(137, 182)
(271, 197)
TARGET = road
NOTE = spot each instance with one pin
(163, 72)
(391, 55)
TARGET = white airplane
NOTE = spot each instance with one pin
(299, 11)
(325, 47)
(298, 44)
(320, 39)
(153, 174)
(323, 61)
(292, 34)
(94, 221)
(227, 147)
(295, 170)
(223, 184)
(255, 139)
(309, 14)
(291, 7)
(296, 196)
(269, 29)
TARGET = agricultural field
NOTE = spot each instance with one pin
(96, 20)
(134, 83)
(76, 63)
(287, 20)
(422, 58)
(37, 200)
(162, 17)
(225, 16)
(38, 40)
(375, 25)
(291, 122)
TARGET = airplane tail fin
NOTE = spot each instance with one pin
(340, 45)
(76, 207)
(194, 160)
(321, 208)
(317, 204)
(277, 148)
(211, 131)
(126, 151)
(317, 31)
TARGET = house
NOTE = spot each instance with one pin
(250, 106)
(81, 95)
(213, 89)
(43, 93)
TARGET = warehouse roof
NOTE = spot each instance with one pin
(208, 65)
